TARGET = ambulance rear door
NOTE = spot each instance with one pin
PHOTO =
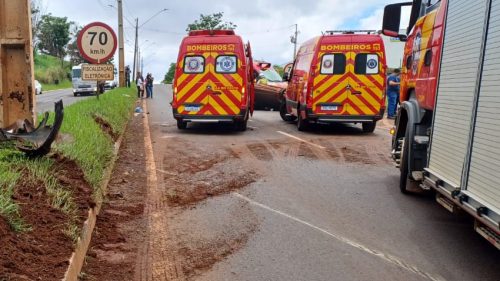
(366, 83)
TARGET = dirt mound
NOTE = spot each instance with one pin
(42, 253)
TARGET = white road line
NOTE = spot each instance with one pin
(386, 257)
(301, 140)
(253, 128)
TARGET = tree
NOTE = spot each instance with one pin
(279, 69)
(37, 11)
(169, 77)
(72, 50)
(211, 22)
(54, 35)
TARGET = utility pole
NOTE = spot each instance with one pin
(136, 48)
(121, 50)
(293, 39)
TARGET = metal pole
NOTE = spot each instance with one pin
(136, 48)
(295, 43)
(121, 51)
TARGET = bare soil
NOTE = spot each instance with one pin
(43, 253)
(121, 225)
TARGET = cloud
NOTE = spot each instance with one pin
(268, 25)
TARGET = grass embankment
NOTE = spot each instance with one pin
(48, 69)
(84, 141)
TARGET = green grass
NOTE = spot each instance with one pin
(87, 145)
(48, 69)
(65, 84)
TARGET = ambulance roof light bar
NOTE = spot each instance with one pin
(332, 32)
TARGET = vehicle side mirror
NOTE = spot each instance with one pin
(392, 20)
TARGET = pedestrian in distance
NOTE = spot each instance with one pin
(149, 85)
(393, 83)
(127, 76)
(140, 86)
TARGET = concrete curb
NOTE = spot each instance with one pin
(78, 257)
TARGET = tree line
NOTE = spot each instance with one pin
(55, 36)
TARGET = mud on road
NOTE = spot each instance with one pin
(158, 230)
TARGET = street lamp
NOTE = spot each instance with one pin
(136, 61)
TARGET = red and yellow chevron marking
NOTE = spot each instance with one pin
(333, 89)
(224, 96)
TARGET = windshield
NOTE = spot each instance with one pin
(77, 73)
(271, 75)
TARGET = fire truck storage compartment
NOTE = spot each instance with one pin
(457, 87)
(483, 181)
(465, 146)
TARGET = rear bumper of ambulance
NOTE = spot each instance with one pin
(327, 118)
(210, 118)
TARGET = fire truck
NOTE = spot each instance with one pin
(446, 134)
(213, 81)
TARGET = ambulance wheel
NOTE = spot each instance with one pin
(369, 127)
(403, 165)
(241, 125)
(302, 124)
(181, 125)
(284, 113)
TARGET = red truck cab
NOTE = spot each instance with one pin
(421, 66)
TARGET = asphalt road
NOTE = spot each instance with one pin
(320, 205)
(45, 101)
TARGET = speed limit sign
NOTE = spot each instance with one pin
(97, 42)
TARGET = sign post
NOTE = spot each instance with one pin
(97, 43)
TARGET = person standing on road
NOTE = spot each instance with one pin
(393, 82)
(140, 85)
(149, 85)
(127, 76)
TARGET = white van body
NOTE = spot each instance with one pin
(80, 86)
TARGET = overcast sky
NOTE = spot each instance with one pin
(267, 24)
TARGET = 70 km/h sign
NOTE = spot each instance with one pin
(97, 42)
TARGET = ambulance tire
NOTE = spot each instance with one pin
(369, 127)
(181, 125)
(241, 125)
(403, 166)
(284, 113)
(302, 124)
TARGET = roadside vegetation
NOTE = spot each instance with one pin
(48, 69)
(90, 131)
(88, 134)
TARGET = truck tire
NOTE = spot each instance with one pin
(369, 127)
(403, 166)
(241, 125)
(181, 125)
(302, 124)
(284, 113)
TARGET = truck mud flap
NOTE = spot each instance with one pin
(35, 142)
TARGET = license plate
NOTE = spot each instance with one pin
(192, 108)
(329, 108)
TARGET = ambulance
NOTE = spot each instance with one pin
(337, 77)
(213, 82)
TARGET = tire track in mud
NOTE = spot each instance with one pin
(182, 177)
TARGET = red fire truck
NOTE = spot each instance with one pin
(447, 129)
